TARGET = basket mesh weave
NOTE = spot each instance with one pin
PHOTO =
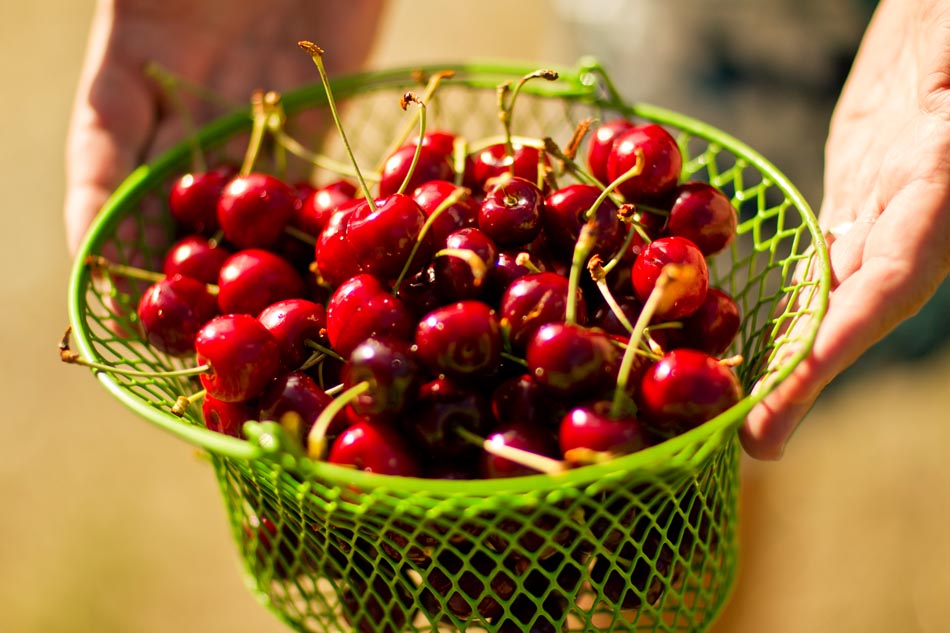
(645, 543)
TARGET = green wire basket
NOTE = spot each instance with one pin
(647, 542)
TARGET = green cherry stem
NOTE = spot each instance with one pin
(540, 463)
(316, 53)
(506, 110)
(404, 103)
(258, 127)
(72, 358)
(431, 86)
(317, 438)
(98, 263)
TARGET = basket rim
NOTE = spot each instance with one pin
(588, 82)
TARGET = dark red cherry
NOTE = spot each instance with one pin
(494, 160)
(566, 211)
(227, 417)
(592, 427)
(684, 389)
(704, 215)
(171, 312)
(572, 361)
(457, 278)
(361, 308)
(442, 407)
(598, 148)
(510, 265)
(376, 448)
(381, 241)
(431, 165)
(293, 322)
(462, 339)
(523, 435)
(662, 165)
(713, 326)
(534, 300)
(313, 213)
(193, 199)
(687, 291)
(459, 215)
(295, 400)
(196, 257)
(390, 368)
(511, 212)
(522, 398)
(254, 210)
(252, 279)
(242, 355)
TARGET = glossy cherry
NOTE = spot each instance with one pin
(565, 211)
(432, 164)
(242, 356)
(600, 143)
(362, 307)
(334, 262)
(662, 162)
(171, 312)
(313, 213)
(592, 427)
(195, 256)
(522, 398)
(254, 278)
(376, 448)
(704, 215)
(534, 300)
(522, 435)
(393, 373)
(572, 361)
(293, 322)
(460, 340)
(713, 327)
(464, 213)
(684, 389)
(511, 212)
(444, 406)
(254, 210)
(494, 160)
(227, 417)
(382, 240)
(193, 199)
(687, 291)
(458, 278)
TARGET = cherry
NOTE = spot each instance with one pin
(510, 264)
(227, 417)
(295, 401)
(444, 406)
(687, 291)
(254, 210)
(704, 215)
(521, 398)
(432, 164)
(254, 278)
(390, 367)
(494, 161)
(598, 148)
(566, 211)
(313, 213)
(375, 448)
(522, 435)
(293, 322)
(460, 340)
(193, 199)
(662, 162)
(242, 356)
(441, 141)
(457, 277)
(534, 300)
(197, 257)
(592, 428)
(684, 389)
(572, 361)
(511, 212)
(382, 238)
(171, 312)
(464, 213)
(713, 326)
(334, 261)
(361, 308)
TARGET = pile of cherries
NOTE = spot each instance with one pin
(483, 309)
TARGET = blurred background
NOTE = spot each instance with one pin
(113, 526)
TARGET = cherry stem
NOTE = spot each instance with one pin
(599, 275)
(183, 403)
(258, 128)
(583, 246)
(170, 85)
(302, 236)
(323, 349)
(316, 53)
(524, 259)
(667, 274)
(635, 170)
(520, 456)
(477, 265)
(570, 164)
(404, 103)
(457, 194)
(98, 263)
(514, 359)
(296, 148)
(274, 119)
(460, 152)
(506, 110)
(317, 438)
(431, 86)
(72, 358)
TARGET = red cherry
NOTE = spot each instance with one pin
(494, 161)
(242, 356)
(252, 279)
(197, 257)
(313, 213)
(381, 241)
(375, 448)
(227, 417)
(511, 212)
(361, 308)
(334, 262)
(684, 389)
(564, 213)
(454, 277)
(662, 165)
(293, 322)
(390, 367)
(704, 215)
(459, 215)
(444, 406)
(295, 393)
(592, 427)
(431, 165)
(441, 141)
(687, 291)
(254, 210)
(598, 149)
(193, 199)
(572, 361)
(171, 312)
(534, 300)
(521, 435)
(713, 326)
(460, 340)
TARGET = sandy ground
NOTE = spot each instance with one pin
(110, 525)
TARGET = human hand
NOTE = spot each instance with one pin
(886, 206)
(120, 116)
